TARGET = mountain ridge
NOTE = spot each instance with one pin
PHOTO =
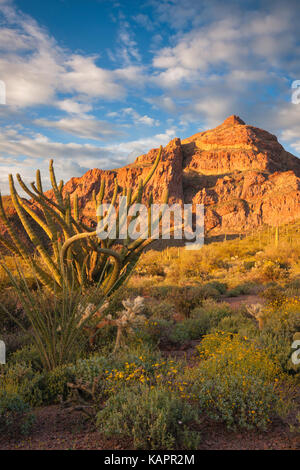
(242, 174)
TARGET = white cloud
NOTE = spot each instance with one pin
(72, 106)
(134, 75)
(138, 119)
(137, 147)
(232, 42)
(71, 159)
(82, 75)
(88, 128)
(144, 21)
(46, 69)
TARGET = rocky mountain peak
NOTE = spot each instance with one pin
(242, 174)
(233, 121)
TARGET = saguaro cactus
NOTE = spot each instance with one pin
(65, 245)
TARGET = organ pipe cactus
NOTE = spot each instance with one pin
(64, 244)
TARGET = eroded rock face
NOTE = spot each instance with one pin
(167, 176)
(234, 146)
(241, 173)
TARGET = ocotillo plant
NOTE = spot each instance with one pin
(70, 245)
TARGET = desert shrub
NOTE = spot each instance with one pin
(188, 298)
(156, 418)
(15, 414)
(30, 383)
(55, 384)
(274, 295)
(235, 382)
(202, 320)
(243, 289)
(189, 329)
(35, 385)
(237, 323)
(272, 270)
(292, 289)
(210, 314)
(9, 300)
(185, 300)
(189, 267)
(163, 310)
(281, 322)
(152, 269)
(221, 287)
(27, 355)
(248, 265)
(153, 332)
(98, 377)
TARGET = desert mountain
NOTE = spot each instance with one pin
(241, 173)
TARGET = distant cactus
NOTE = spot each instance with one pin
(256, 311)
(71, 246)
(276, 236)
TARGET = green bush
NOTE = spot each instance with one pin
(9, 300)
(27, 355)
(239, 400)
(156, 418)
(153, 332)
(248, 265)
(188, 266)
(153, 269)
(292, 289)
(210, 314)
(281, 322)
(163, 310)
(29, 382)
(243, 289)
(188, 298)
(219, 286)
(189, 329)
(237, 323)
(235, 382)
(270, 270)
(15, 414)
(274, 295)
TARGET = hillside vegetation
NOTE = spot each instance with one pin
(194, 337)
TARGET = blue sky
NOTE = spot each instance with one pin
(95, 83)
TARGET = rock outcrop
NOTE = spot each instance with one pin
(242, 175)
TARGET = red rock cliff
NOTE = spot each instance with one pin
(241, 173)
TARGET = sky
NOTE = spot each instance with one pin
(95, 83)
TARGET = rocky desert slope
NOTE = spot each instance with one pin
(242, 175)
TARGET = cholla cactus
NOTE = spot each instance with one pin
(87, 312)
(127, 319)
(256, 311)
(130, 317)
